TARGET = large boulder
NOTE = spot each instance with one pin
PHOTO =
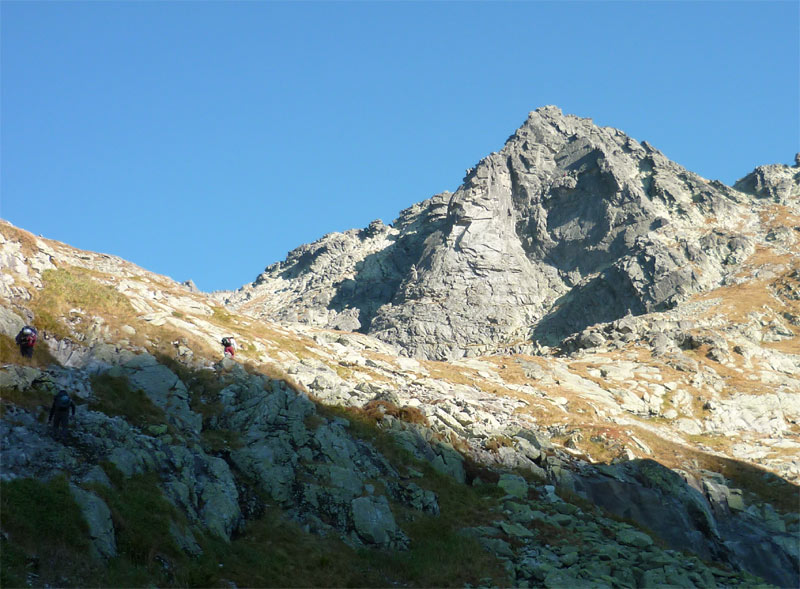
(98, 518)
(662, 501)
(374, 522)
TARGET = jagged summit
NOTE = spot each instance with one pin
(568, 225)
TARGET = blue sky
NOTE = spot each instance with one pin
(205, 140)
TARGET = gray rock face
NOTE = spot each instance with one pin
(164, 389)
(568, 225)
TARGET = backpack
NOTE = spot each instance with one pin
(226, 341)
(63, 401)
(27, 336)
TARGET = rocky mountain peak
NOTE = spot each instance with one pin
(568, 225)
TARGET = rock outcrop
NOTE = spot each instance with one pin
(777, 182)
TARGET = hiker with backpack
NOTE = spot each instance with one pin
(26, 339)
(59, 414)
(228, 347)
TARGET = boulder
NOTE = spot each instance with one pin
(513, 485)
(10, 322)
(98, 518)
(373, 520)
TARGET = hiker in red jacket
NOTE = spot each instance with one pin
(229, 347)
(26, 339)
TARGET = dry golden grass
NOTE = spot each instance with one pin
(28, 243)
(737, 302)
(376, 410)
(509, 368)
(67, 288)
(777, 215)
(384, 358)
(299, 346)
(766, 485)
(461, 375)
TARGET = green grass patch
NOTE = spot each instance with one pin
(34, 400)
(223, 317)
(113, 396)
(45, 528)
(439, 556)
(215, 441)
(276, 552)
(67, 288)
(141, 516)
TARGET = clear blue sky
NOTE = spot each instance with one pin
(205, 140)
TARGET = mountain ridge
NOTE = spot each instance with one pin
(565, 212)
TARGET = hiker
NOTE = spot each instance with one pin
(229, 347)
(59, 414)
(26, 339)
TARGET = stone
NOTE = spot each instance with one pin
(164, 389)
(96, 475)
(451, 463)
(513, 485)
(10, 323)
(373, 520)
(561, 578)
(98, 518)
(516, 530)
(633, 538)
(497, 546)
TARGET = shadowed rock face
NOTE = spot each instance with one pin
(687, 519)
(568, 225)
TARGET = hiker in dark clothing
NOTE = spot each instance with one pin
(26, 339)
(59, 414)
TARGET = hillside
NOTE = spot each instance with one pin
(617, 407)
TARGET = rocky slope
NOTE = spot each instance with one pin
(568, 225)
(656, 444)
(225, 443)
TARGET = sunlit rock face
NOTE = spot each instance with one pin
(569, 225)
